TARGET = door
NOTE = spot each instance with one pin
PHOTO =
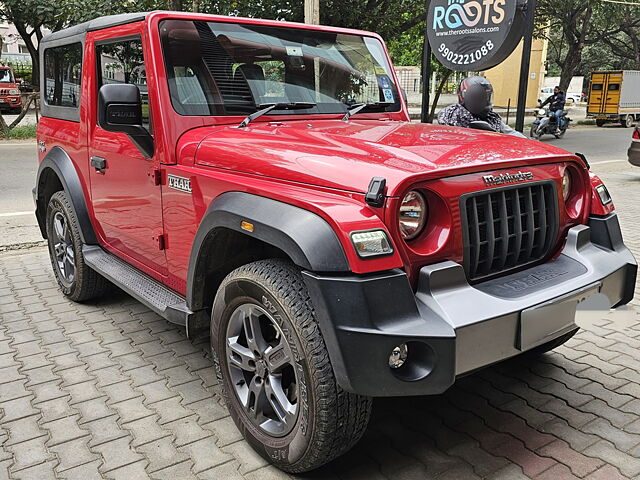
(127, 202)
(596, 93)
(612, 98)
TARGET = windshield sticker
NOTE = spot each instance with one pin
(379, 70)
(388, 95)
(294, 51)
(383, 80)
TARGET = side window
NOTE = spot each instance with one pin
(62, 74)
(123, 62)
(613, 87)
(597, 87)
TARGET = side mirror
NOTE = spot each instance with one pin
(480, 125)
(120, 110)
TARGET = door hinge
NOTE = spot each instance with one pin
(161, 241)
(156, 176)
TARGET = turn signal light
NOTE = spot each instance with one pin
(636, 134)
(371, 243)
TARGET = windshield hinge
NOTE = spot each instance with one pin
(375, 193)
(161, 241)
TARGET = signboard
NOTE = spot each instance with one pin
(474, 35)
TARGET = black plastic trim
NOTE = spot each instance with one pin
(305, 237)
(61, 164)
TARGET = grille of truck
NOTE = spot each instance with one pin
(4, 91)
(507, 228)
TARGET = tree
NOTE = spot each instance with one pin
(575, 26)
(626, 44)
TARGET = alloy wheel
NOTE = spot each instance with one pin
(63, 248)
(260, 363)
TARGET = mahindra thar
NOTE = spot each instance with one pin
(10, 97)
(262, 179)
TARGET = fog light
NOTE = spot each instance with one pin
(398, 356)
(372, 243)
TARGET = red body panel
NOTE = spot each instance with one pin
(321, 164)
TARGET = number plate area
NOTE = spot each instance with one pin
(546, 321)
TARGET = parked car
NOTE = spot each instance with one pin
(574, 97)
(263, 180)
(634, 149)
(10, 98)
(614, 96)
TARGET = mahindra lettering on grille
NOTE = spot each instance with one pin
(507, 178)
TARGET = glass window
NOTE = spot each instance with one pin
(596, 87)
(62, 75)
(123, 62)
(220, 68)
(6, 76)
(614, 87)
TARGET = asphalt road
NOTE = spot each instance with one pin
(604, 147)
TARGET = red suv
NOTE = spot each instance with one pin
(10, 98)
(262, 179)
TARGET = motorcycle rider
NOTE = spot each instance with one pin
(556, 104)
(475, 95)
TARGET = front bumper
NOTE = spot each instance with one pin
(452, 327)
(11, 101)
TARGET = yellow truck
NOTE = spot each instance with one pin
(614, 96)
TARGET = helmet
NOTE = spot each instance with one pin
(476, 95)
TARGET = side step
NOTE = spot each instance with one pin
(153, 294)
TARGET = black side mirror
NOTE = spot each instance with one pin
(120, 110)
(480, 125)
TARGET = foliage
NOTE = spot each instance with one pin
(20, 133)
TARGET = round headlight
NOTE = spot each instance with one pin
(566, 185)
(542, 112)
(14, 91)
(413, 215)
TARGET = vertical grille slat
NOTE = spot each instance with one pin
(542, 221)
(508, 228)
(491, 237)
(530, 222)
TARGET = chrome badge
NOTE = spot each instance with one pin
(506, 178)
(179, 183)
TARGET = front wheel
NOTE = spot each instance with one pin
(627, 121)
(273, 365)
(535, 133)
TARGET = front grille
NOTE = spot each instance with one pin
(506, 228)
(4, 91)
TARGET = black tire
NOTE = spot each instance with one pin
(600, 123)
(547, 347)
(329, 420)
(627, 121)
(85, 283)
(534, 132)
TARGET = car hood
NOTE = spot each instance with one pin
(346, 155)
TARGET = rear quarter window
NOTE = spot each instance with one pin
(596, 87)
(62, 75)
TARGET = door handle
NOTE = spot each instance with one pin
(99, 163)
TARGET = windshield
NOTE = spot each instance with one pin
(6, 76)
(216, 68)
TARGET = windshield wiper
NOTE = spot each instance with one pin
(267, 107)
(361, 106)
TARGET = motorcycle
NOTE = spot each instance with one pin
(546, 123)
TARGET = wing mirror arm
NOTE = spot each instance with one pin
(120, 110)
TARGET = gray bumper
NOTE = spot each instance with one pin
(453, 327)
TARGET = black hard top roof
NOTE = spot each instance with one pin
(96, 24)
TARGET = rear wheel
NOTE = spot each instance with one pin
(76, 279)
(600, 123)
(274, 367)
(627, 121)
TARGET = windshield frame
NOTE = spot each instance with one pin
(397, 112)
(12, 78)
